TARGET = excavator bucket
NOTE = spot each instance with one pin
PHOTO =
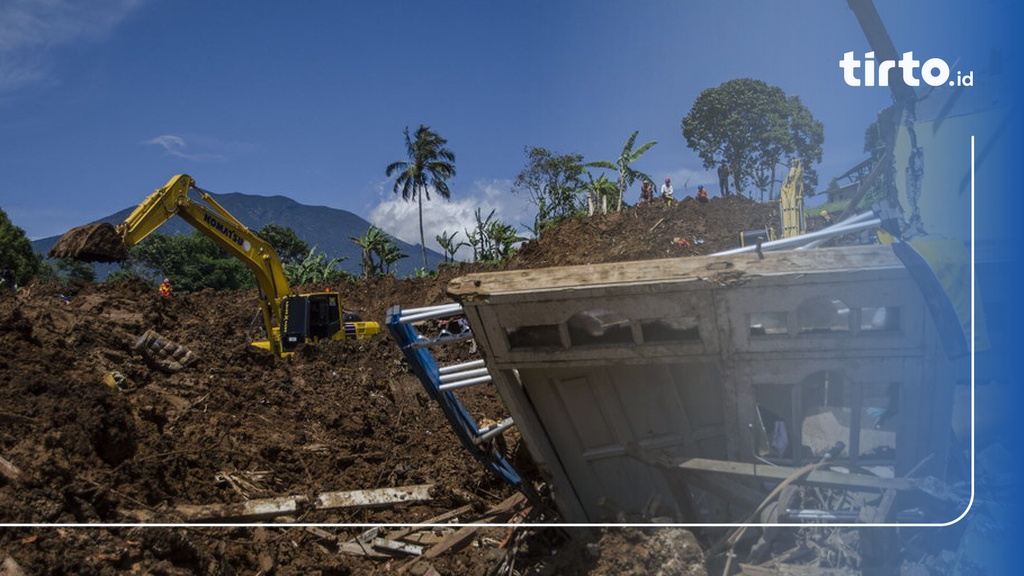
(98, 242)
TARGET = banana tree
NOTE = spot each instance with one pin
(622, 165)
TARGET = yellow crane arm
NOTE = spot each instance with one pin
(791, 201)
(219, 225)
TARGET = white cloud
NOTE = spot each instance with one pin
(176, 146)
(30, 29)
(400, 218)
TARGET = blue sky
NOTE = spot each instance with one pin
(102, 101)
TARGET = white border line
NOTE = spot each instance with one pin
(970, 503)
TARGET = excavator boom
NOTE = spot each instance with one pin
(290, 320)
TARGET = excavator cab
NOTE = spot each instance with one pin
(319, 316)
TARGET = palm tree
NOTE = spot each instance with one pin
(430, 165)
(627, 175)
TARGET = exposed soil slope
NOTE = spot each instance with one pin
(237, 424)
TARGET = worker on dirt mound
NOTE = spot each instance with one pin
(702, 194)
(666, 191)
(646, 191)
(166, 288)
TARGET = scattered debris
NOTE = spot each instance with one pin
(461, 537)
(246, 483)
(267, 508)
(164, 354)
(117, 381)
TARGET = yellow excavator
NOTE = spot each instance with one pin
(791, 200)
(290, 319)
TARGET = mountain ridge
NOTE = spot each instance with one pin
(329, 230)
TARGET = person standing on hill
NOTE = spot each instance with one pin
(666, 191)
(646, 191)
(723, 178)
(702, 194)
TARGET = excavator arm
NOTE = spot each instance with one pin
(289, 319)
(215, 223)
(791, 201)
(225, 230)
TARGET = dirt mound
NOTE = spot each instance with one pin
(649, 231)
(100, 433)
(91, 243)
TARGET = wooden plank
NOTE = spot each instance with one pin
(453, 541)
(824, 478)
(361, 549)
(461, 537)
(252, 510)
(396, 547)
(793, 570)
(267, 508)
(405, 532)
(677, 270)
(354, 499)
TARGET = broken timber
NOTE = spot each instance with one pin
(456, 540)
(267, 508)
(823, 478)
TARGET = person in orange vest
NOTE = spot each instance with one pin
(702, 194)
(646, 191)
(165, 287)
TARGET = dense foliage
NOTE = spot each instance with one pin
(17, 260)
(289, 247)
(753, 127)
(192, 262)
(553, 182)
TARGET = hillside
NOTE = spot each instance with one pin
(238, 424)
(328, 229)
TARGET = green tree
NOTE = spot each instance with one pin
(448, 243)
(380, 251)
(73, 271)
(876, 142)
(492, 240)
(753, 127)
(314, 269)
(553, 182)
(598, 191)
(623, 165)
(289, 247)
(192, 262)
(123, 274)
(430, 165)
(389, 253)
(16, 255)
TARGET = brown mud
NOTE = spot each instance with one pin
(100, 433)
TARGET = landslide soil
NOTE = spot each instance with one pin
(239, 424)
